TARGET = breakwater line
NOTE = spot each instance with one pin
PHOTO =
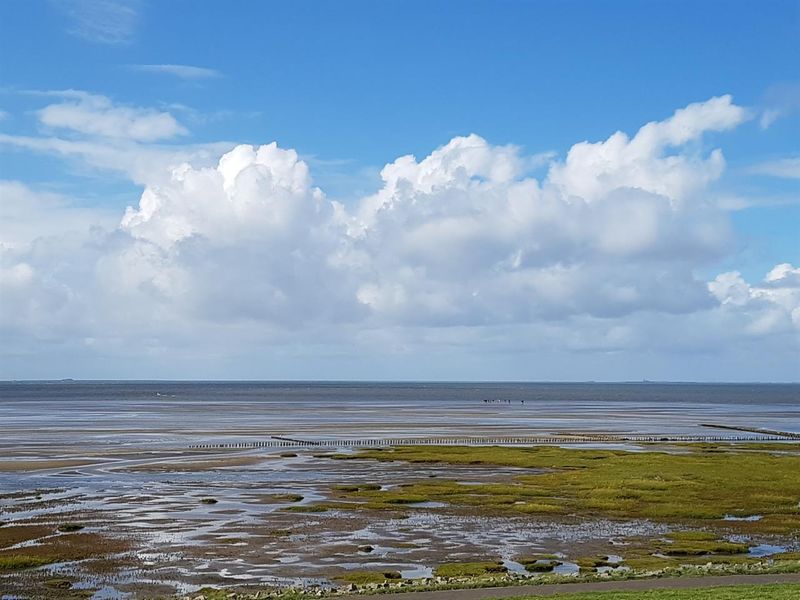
(292, 442)
(760, 430)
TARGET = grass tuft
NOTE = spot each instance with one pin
(365, 577)
(22, 561)
(470, 569)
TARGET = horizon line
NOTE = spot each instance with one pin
(407, 381)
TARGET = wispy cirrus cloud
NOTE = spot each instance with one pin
(783, 167)
(141, 163)
(106, 135)
(189, 72)
(780, 101)
(101, 21)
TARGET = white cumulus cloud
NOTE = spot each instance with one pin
(594, 169)
(461, 237)
(461, 248)
(97, 115)
(767, 308)
(27, 215)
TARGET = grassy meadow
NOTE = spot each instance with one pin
(741, 592)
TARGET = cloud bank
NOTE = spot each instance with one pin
(461, 248)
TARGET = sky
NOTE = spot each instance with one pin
(437, 190)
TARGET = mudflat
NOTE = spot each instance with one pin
(110, 500)
(406, 516)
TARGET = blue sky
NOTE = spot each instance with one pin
(352, 86)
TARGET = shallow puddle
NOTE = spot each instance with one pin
(766, 550)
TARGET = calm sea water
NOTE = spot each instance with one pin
(165, 414)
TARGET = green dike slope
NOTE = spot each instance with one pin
(739, 592)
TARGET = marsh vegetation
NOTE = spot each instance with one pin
(703, 484)
(441, 516)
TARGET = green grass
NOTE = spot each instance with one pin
(22, 561)
(590, 563)
(692, 536)
(647, 563)
(365, 577)
(535, 557)
(363, 487)
(701, 548)
(698, 543)
(285, 497)
(59, 583)
(696, 485)
(741, 592)
(306, 508)
(470, 569)
(787, 556)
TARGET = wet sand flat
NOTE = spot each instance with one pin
(248, 517)
(43, 464)
(107, 494)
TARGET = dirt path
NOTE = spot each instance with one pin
(594, 586)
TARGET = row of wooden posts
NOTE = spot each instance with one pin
(285, 442)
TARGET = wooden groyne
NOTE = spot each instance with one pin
(291, 442)
(761, 430)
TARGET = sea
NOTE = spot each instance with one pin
(163, 414)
